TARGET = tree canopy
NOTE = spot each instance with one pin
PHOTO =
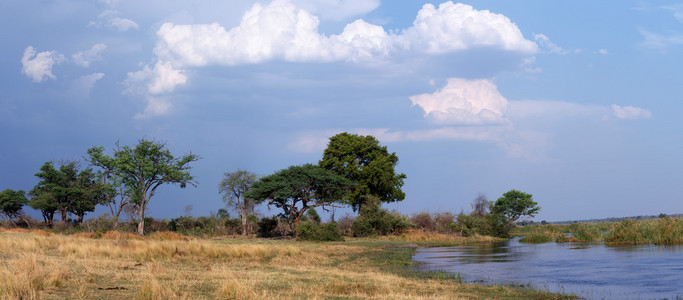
(298, 188)
(514, 205)
(11, 204)
(365, 162)
(143, 169)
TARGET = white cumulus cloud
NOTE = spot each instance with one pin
(464, 101)
(85, 58)
(38, 66)
(630, 112)
(282, 31)
(459, 26)
(162, 78)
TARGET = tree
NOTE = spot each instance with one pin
(233, 187)
(515, 205)
(480, 205)
(11, 204)
(65, 190)
(298, 188)
(143, 169)
(362, 160)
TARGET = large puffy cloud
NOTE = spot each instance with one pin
(277, 31)
(38, 66)
(459, 26)
(280, 31)
(464, 101)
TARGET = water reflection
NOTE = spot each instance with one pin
(589, 269)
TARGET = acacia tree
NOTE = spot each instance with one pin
(299, 188)
(11, 204)
(365, 162)
(143, 169)
(234, 186)
(515, 205)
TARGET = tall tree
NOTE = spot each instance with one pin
(298, 188)
(233, 187)
(515, 205)
(143, 169)
(11, 204)
(364, 161)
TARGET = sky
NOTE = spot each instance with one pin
(575, 102)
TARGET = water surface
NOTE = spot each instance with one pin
(594, 271)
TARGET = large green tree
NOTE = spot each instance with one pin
(143, 168)
(299, 188)
(65, 190)
(233, 187)
(365, 162)
(11, 204)
(514, 205)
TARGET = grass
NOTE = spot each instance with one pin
(661, 231)
(35, 265)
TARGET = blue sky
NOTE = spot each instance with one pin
(575, 102)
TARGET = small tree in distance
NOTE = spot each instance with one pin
(234, 186)
(515, 205)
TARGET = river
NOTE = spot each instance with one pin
(593, 271)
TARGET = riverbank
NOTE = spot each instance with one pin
(112, 265)
(660, 231)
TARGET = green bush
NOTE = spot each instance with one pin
(489, 224)
(308, 231)
(267, 227)
(374, 220)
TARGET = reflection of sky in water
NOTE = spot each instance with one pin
(590, 270)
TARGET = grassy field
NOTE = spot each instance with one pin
(660, 231)
(42, 265)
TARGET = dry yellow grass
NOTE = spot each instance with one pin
(42, 266)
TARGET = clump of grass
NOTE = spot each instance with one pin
(542, 237)
(662, 231)
(584, 232)
(21, 278)
(433, 239)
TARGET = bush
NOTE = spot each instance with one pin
(488, 224)
(374, 220)
(267, 227)
(423, 221)
(345, 225)
(445, 222)
(308, 231)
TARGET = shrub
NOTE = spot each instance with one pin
(308, 231)
(267, 227)
(423, 221)
(445, 222)
(374, 220)
(488, 224)
(345, 225)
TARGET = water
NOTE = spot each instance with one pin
(594, 271)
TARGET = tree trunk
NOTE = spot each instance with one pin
(80, 218)
(64, 213)
(244, 223)
(141, 220)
